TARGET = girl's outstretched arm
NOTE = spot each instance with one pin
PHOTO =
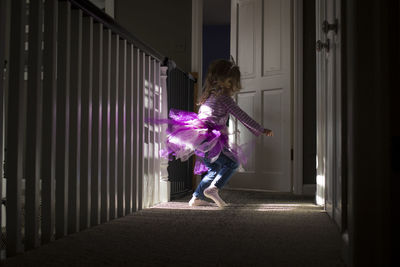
(242, 116)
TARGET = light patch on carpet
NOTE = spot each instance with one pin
(256, 207)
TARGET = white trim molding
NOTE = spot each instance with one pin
(197, 48)
(197, 41)
(298, 97)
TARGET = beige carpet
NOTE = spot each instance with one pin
(257, 229)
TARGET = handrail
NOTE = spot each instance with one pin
(91, 9)
(109, 22)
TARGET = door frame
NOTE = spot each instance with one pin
(296, 83)
(297, 125)
(197, 42)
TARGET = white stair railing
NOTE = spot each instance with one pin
(78, 148)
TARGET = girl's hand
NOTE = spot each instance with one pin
(268, 132)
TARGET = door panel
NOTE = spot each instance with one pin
(247, 102)
(260, 42)
(272, 111)
(272, 42)
(246, 38)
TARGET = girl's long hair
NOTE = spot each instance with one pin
(223, 78)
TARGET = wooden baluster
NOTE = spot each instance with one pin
(114, 126)
(75, 122)
(147, 179)
(97, 148)
(165, 185)
(34, 125)
(49, 119)
(105, 156)
(151, 133)
(128, 129)
(121, 103)
(62, 130)
(136, 165)
(141, 132)
(15, 129)
(157, 131)
(86, 130)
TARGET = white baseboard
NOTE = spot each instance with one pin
(309, 189)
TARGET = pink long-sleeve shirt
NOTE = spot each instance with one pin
(217, 109)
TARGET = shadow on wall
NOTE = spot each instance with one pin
(163, 25)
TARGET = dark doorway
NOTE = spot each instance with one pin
(216, 31)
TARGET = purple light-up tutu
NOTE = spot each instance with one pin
(189, 135)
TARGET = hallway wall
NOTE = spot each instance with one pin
(163, 25)
(372, 83)
(395, 128)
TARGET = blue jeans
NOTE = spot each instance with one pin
(219, 173)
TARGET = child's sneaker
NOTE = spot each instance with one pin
(198, 202)
(212, 192)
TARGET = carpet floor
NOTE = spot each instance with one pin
(257, 229)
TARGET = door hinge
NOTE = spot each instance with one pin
(4, 70)
(326, 26)
(321, 45)
(291, 154)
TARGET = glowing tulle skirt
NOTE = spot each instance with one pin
(188, 135)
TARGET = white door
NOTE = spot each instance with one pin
(329, 128)
(260, 44)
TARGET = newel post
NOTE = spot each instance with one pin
(165, 184)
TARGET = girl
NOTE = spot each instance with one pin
(205, 134)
